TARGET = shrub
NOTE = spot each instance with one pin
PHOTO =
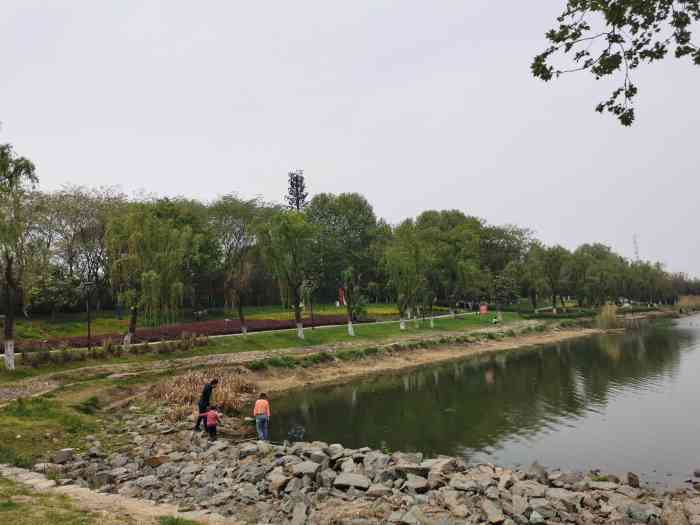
(607, 318)
(259, 364)
(88, 406)
(282, 362)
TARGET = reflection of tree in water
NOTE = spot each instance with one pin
(480, 402)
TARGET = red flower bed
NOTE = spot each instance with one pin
(174, 331)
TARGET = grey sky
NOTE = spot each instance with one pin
(417, 105)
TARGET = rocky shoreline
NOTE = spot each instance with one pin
(320, 483)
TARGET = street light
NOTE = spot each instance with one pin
(87, 287)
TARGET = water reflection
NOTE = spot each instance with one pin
(580, 404)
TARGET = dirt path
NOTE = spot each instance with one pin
(342, 372)
(44, 384)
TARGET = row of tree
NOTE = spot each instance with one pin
(155, 256)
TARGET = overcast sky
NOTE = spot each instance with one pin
(417, 105)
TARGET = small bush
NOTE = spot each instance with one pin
(88, 406)
(260, 364)
(607, 318)
(282, 362)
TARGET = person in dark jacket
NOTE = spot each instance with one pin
(203, 404)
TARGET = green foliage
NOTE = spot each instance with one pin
(169, 520)
(88, 406)
(609, 38)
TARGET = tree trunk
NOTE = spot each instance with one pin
(348, 309)
(241, 316)
(296, 297)
(10, 317)
(311, 309)
(533, 300)
(132, 327)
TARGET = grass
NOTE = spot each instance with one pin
(365, 333)
(20, 505)
(106, 322)
(168, 520)
(30, 428)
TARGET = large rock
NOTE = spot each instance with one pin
(64, 456)
(377, 491)
(673, 515)
(345, 480)
(326, 478)
(494, 514)
(461, 482)
(305, 468)
(416, 484)
(529, 489)
(278, 482)
(412, 468)
(299, 514)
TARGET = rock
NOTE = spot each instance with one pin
(416, 484)
(520, 505)
(530, 489)
(326, 478)
(602, 485)
(345, 480)
(147, 482)
(461, 482)
(412, 468)
(377, 491)
(536, 518)
(305, 468)
(335, 451)
(633, 480)
(64, 456)
(316, 455)
(538, 473)
(277, 481)
(673, 515)
(299, 514)
(348, 466)
(493, 512)
(630, 492)
(247, 449)
(415, 516)
(643, 513)
(696, 473)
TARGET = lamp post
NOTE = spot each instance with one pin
(88, 287)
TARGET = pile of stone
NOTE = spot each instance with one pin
(319, 483)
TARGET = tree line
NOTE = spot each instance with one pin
(155, 256)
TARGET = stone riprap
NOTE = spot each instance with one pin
(320, 483)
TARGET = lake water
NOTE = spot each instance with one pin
(614, 402)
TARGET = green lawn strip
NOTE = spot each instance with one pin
(167, 520)
(267, 341)
(106, 322)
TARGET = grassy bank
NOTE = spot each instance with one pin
(365, 333)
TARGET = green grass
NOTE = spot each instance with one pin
(168, 520)
(31, 428)
(21, 506)
(365, 333)
(106, 322)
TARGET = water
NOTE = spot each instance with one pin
(614, 402)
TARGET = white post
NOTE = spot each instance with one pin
(432, 322)
(127, 340)
(351, 330)
(244, 330)
(402, 324)
(10, 354)
(300, 330)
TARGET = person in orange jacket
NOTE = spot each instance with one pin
(261, 413)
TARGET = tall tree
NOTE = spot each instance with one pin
(347, 227)
(17, 179)
(150, 258)
(554, 262)
(234, 221)
(297, 196)
(607, 37)
(407, 263)
(287, 240)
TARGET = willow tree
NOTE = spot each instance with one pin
(17, 180)
(287, 240)
(233, 220)
(149, 259)
(407, 266)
